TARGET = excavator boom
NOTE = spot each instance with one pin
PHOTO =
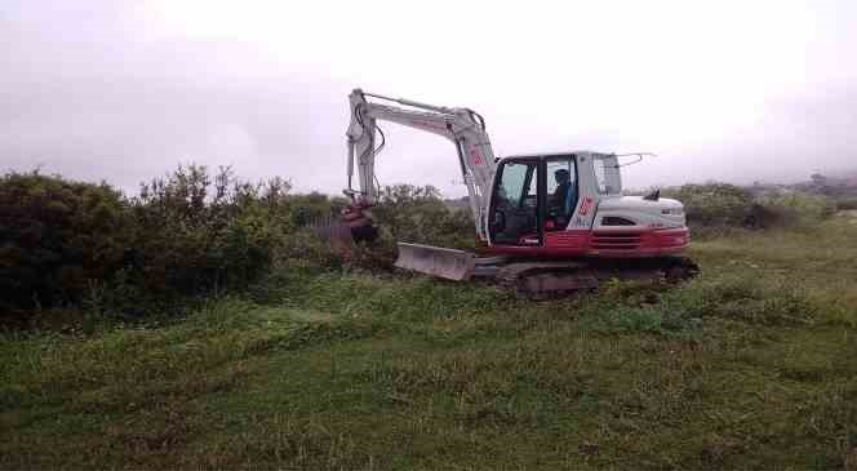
(462, 126)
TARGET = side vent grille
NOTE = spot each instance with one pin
(616, 221)
(616, 240)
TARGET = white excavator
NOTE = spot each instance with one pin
(548, 223)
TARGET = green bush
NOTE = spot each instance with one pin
(847, 204)
(311, 207)
(195, 235)
(73, 244)
(304, 249)
(714, 205)
(56, 235)
(796, 209)
(718, 206)
(408, 213)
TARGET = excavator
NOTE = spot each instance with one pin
(547, 223)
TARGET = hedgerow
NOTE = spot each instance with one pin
(66, 244)
(714, 207)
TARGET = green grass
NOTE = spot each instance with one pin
(752, 365)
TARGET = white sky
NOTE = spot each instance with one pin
(727, 90)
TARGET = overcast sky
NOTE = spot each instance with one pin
(726, 90)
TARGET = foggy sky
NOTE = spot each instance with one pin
(124, 90)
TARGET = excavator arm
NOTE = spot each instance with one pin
(462, 126)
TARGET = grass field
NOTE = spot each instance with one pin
(752, 365)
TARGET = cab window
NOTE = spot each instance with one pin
(562, 191)
(516, 204)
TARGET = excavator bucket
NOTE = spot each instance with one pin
(446, 263)
(354, 224)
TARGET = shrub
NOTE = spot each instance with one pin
(307, 208)
(409, 213)
(847, 204)
(796, 209)
(722, 206)
(191, 239)
(714, 205)
(56, 235)
(304, 249)
(67, 243)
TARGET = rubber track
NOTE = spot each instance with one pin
(572, 276)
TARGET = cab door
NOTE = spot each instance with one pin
(562, 191)
(516, 206)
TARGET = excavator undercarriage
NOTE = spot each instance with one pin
(536, 278)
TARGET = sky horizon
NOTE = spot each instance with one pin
(124, 91)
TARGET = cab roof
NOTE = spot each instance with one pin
(552, 154)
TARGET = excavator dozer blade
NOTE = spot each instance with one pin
(450, 264)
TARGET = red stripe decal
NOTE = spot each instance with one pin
(584, 207)
(474, 155)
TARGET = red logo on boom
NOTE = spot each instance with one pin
(584, 207)
(474, 154)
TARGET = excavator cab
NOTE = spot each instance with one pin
(531, 196)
